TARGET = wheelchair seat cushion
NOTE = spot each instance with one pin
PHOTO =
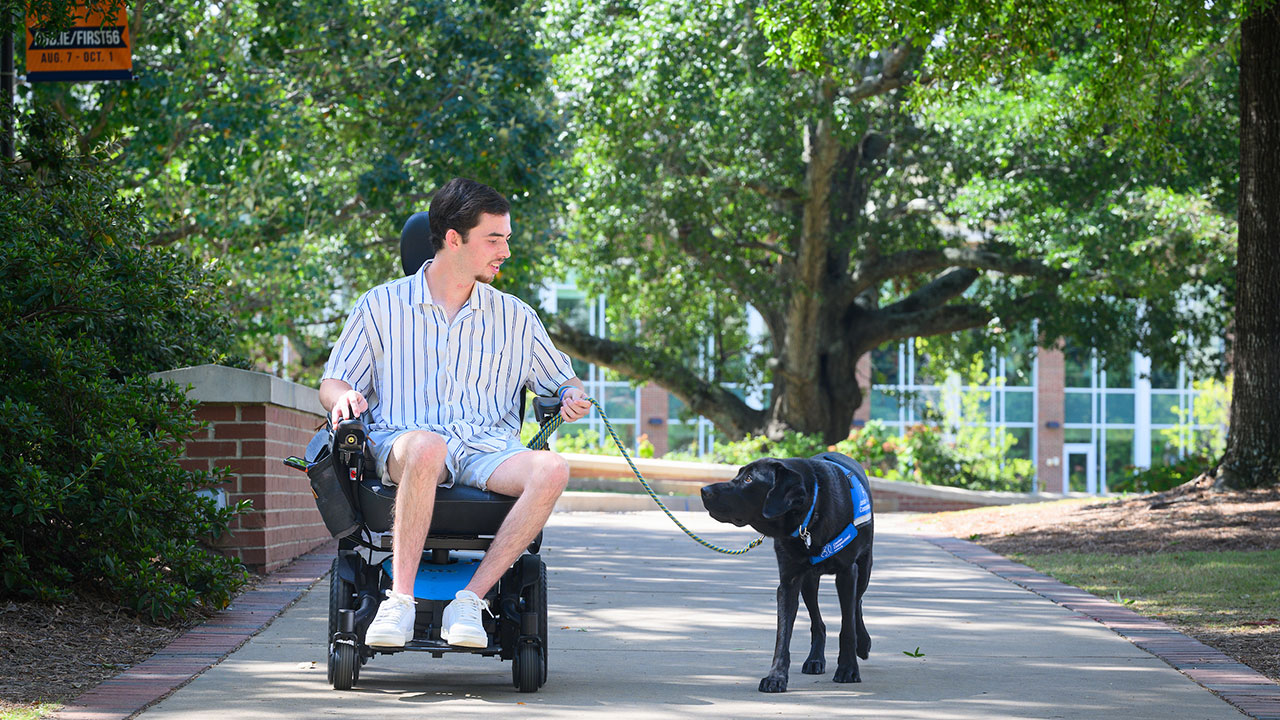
(459, 510)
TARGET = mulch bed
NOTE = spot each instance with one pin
(52, 653)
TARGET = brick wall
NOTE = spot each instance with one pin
(655, 404)
(255, 421)
(1051, 380)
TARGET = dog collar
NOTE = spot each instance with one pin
(802, 532)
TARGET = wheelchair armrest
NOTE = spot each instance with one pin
(348, 439)
(545, 408)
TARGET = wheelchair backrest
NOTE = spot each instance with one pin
(415, 243)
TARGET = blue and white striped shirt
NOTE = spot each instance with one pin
(460, 379)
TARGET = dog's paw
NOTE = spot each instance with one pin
(773, 684)
(847, 675)
(814, 666)
(864, 650)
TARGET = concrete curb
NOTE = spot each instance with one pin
(1240, 685)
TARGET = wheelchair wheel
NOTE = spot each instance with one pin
(529, 664)
(527, 668)
(342, 596)
(344, 666)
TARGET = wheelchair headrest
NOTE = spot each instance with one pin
(415, 243)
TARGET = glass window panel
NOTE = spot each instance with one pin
(1164, 375)
(1120, 371)
(620, 403)
(682, 437)
(576, 311)
(1077, 435)
(1120, 408)
(626, 433)
(1077, 365)
(1119, 453)
(927, 405)
(883, 406)
(1163, 450)
(1164, 409)
(884, 365)
(1078, 407)
(1019, 406)
(1017, 369)
(1022, 443)
(674, 408)
(1077, 472)
(981, 404)
(580, 368)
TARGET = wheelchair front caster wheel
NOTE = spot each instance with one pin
(527, 669)
(344, 666)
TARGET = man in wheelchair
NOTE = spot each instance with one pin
(437, 363)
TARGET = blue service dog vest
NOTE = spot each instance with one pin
(861, 516)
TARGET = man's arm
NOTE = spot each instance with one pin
(342, 402)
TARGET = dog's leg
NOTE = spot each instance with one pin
(816, 663)
(847, 664)
(864, 577)
(788, 605)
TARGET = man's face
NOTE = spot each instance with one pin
(486, 246)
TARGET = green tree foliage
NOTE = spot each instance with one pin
(92, 499)
(1141, 60)
(290, 141)
(705, 179)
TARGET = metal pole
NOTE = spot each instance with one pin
(7, 80)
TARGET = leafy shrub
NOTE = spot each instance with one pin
(1160, 477)
(92, 499)
(922, 454)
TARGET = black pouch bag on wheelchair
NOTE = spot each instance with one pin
(332, 498)
(332, 464)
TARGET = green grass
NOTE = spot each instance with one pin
(1214, 590)
(30, 712)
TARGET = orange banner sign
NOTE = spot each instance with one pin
(93, 48)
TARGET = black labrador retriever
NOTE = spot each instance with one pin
(821, 524)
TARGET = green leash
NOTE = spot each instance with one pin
(539, 442)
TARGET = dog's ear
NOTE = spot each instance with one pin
(786, 494)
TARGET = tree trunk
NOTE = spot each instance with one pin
(1253, 444)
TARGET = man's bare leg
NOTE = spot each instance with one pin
(536, 478)
(416, 464)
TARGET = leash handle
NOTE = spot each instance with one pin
(539, 442)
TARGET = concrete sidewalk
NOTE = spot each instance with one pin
(647, 624)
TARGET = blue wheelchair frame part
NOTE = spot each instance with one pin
(442, 582)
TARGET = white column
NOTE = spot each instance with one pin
(1142, 411)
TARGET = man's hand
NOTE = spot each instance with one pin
(574, 404)
(349, 405)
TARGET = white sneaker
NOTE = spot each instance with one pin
(393, 625)
(461, 624)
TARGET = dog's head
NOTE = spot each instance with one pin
(761, 495)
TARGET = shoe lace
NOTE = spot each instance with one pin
(399, 602)
(469, 607)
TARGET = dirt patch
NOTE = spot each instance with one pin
(1192, 517)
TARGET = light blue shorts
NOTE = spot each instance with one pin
(462, 465)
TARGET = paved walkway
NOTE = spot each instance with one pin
(647, 624)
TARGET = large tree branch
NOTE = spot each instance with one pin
(869, 274)
(729, 413)
(890, 77)
(938, 291)
(923, 323)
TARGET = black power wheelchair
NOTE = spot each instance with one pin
(358, 509)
